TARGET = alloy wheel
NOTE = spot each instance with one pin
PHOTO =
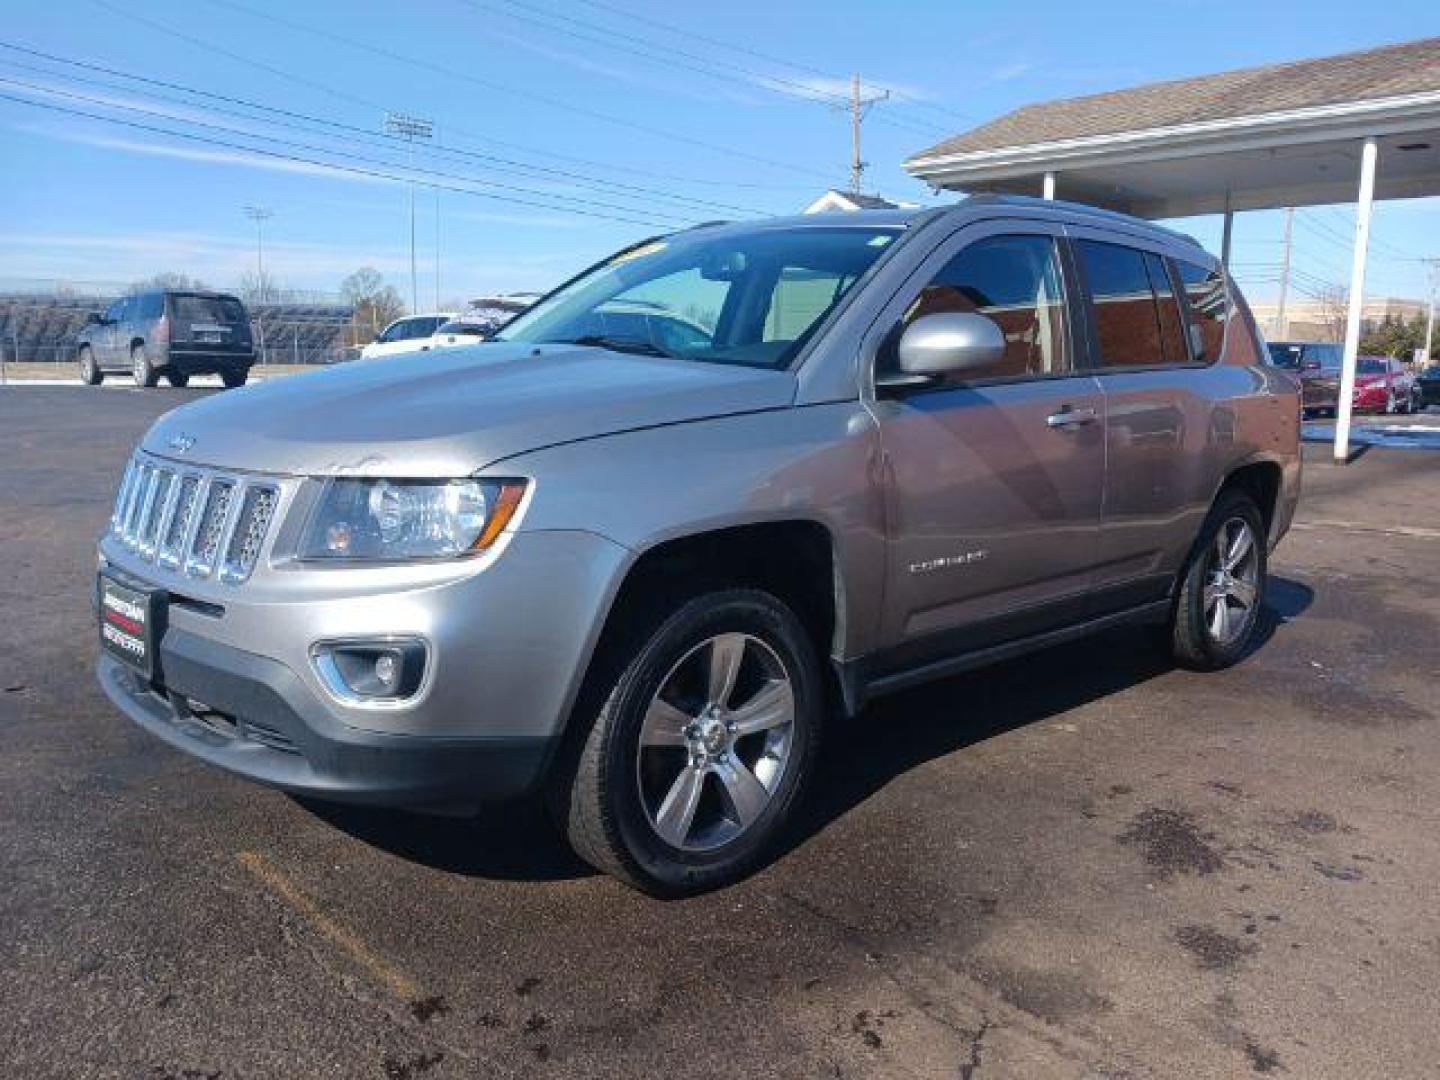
(715, 742)
(1232, 585)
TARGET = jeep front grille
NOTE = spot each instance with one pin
(194, 521)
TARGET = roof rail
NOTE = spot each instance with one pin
(1086, 209)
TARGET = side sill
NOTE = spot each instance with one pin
(858, 689)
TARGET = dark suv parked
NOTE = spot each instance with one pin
(176, 334)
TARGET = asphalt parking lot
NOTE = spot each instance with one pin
(1080, 864)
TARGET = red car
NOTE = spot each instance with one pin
(1383, 385)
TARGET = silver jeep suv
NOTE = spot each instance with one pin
(709, 494)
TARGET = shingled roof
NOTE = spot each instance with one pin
(1387, 72)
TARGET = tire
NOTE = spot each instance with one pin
(1200, 639)
(90, 373)
(141, 370)
(177, 379)
(234, 379)
(624, 805)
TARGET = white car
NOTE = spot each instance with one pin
(413, 333)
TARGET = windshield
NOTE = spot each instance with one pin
(1373, 365)
(738, 298)
(1283, 355)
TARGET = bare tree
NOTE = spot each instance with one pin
(258, 288)
(375, 303)
(1333, 303)
(168, 279)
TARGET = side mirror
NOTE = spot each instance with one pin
(950, 342)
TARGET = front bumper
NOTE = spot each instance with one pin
(1370, 397)
(262, 723)
(508, 643)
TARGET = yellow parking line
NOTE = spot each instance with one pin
(396, 981)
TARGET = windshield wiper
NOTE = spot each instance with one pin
(619, 344)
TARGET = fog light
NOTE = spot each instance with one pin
(375, 672)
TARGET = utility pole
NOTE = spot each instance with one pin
(858, 106)
(260, 215)
(410, 128)
(1281, 328)
(436, 191)
(1427, 357)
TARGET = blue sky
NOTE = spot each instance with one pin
(587, 110)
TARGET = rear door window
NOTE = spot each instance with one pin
(1127, 319)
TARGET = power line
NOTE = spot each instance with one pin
(500, 164)
(488, 84)
(354, 170)
(312, 148)
(792, 64)
(554, 22)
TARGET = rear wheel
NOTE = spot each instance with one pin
(234, 379)
(90, 373)
(140, 368)
(177, 378)
(1222, 588)
(697, 757)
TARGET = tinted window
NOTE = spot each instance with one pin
(112, 313)
(151, 305)
(1373, 365)
(1285, 355)
(1172, 327)
(1209, 310)
(206, 309)
(1127, 322)
(465, 329)
(1016, 282)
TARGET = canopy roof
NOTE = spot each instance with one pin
(1280, 135)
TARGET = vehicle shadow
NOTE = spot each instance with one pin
(860, 756)
(898, 733)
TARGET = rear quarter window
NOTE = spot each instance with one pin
(1209, 305)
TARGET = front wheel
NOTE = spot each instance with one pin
(697, 757)
(178, 379)
(90, 373)
(1223, 586)
(234, 379)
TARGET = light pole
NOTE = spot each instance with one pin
(260, 215)
(410, 128)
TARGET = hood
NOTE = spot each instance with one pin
(450, 412)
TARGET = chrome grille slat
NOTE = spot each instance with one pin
(159, 504)
(176, 529)
(139, 506)
(252, 521)
(214, 523)
(122, 498)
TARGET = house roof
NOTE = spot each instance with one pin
(1390, 71)
(851, 200)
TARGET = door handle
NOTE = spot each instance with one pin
(1068, 417)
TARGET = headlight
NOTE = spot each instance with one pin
(388, 520)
